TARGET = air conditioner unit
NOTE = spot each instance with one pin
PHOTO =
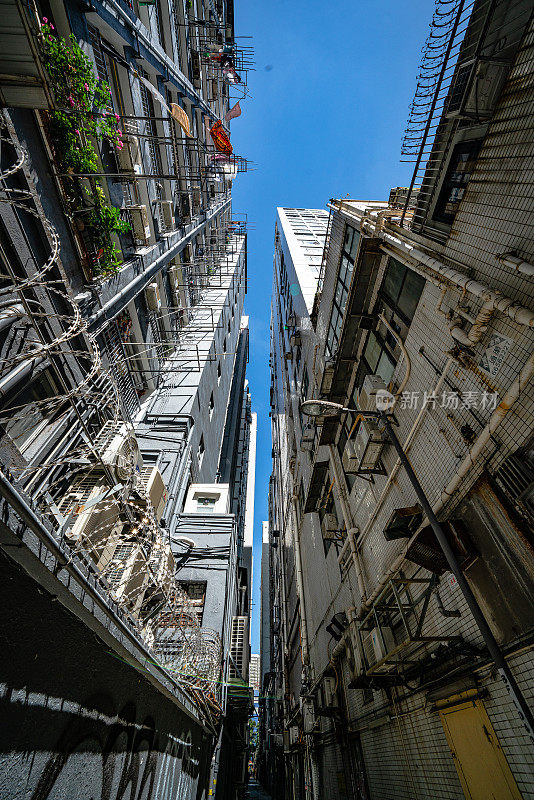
(293, 735)
(94, 519)
(295, 339)
(367, 394)
(362, 453)
(187, 254)
(153, 297)
(155, 488)
(140, 223)
(476, 88)
(167, 212)
(328, 376)
(239, 648)
(128, 576)
(292, 463)
(376, 644)
(129, 158)
(330, 527)
(119, 450)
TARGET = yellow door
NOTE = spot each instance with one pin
(482, 767)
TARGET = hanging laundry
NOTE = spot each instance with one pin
(181, 118)
(220, 138)
(235, 111)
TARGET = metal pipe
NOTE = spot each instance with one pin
(503, 669)
(18, 374)
(9, 314)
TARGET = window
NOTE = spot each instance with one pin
(460, 169)
(348, 255)
(200, 451)
(398, 299)
(212, 404)
(219, 372)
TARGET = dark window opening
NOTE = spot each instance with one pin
(461, 166)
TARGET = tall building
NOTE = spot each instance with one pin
(402, 647)
(127, 440)
(254, 672)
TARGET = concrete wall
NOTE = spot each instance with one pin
(77, 720)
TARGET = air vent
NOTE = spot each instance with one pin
(515, 477)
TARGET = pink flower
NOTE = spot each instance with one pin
(45, 19)
(117, 117)
(86, 87)
(52, 27)
(119, 132)
(71, 101)
(77, 131)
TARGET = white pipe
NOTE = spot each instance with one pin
(499, 302)
(509, 260)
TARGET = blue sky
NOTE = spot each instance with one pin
(331, 92)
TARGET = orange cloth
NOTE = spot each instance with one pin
(220, 139)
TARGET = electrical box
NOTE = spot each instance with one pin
(167, 212)
(367, 394)
(377, 643)
(140, 223)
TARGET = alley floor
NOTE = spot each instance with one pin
(255, 791)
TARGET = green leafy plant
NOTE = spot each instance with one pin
(82, 116)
